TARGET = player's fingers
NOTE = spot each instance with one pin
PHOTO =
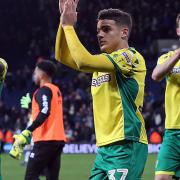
(65, 7)
(69, 4)
(22, 103)
(76, 2)
(24, 97)
(23, 100)
(61, 5)
(74, 6)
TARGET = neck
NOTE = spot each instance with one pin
(122, 45)
(44, 81)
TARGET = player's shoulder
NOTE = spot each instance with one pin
(50, 86)
(127, 53)
(132, 55)
(127, 56)
(43, 89)
(120, 54)
(53, 88)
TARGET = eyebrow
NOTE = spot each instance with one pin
(106, 25)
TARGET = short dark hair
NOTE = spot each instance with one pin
(47, 66)
(120, 17)
(177, 20)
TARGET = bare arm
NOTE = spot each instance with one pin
(161, 70)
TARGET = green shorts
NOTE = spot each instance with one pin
(120, 160)
(168, 161)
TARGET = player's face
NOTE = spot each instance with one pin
(110, 35)
(178, 30)
(37, 75)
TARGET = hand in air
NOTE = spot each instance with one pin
(68, 12)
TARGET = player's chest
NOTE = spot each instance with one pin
(175, 74)
(103, 82)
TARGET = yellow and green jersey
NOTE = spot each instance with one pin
(172, 94)
(117, 87)
(118, 97)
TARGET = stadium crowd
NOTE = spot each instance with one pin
(36, 24)
(33, 41)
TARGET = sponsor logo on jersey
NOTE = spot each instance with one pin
(127, 58)
(100, 80)
(176, 70)
(44, 104)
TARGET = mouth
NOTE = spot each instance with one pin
(102, 43)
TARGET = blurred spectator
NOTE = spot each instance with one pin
(155, 138)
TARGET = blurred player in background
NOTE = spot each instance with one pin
(3, 72)
(168, 66)
(47, 128)
(117, 90)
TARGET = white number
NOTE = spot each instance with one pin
(124, 173)
(113, 171)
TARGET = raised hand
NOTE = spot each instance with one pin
(25, 101)
(61, 5)
(69, 14)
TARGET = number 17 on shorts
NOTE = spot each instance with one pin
(117, 174)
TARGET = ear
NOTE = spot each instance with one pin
(124, 33)
(41, 74)
(178, 31)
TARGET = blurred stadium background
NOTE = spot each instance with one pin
(27, 35)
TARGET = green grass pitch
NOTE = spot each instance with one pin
(76, 167)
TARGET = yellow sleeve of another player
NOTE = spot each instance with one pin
(62, 52)
(162, 59)
(84, 60)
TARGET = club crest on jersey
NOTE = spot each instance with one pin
(100, 80)
(127, 58)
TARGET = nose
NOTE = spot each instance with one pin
(100, 36)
